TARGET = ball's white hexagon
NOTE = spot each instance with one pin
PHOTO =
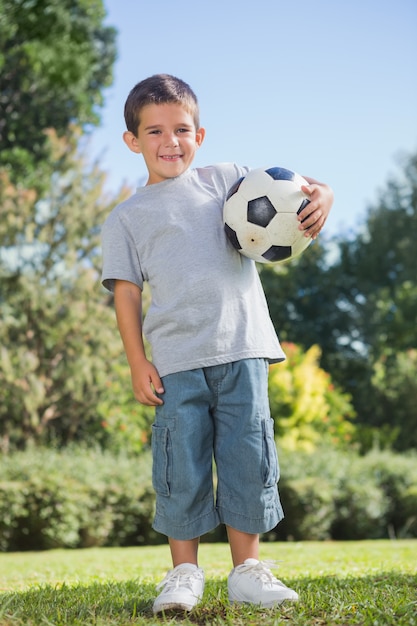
(256, 183)
(254, 239)
(235, 211)
(283, 230)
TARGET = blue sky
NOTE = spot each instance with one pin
(327, 89)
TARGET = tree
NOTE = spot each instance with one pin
(395, 383)
(379, 267)
(57, 331)
(302, 298)
(56, 56)
(356, 297)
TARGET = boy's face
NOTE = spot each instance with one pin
(167, 139)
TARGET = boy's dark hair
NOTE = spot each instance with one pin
(159, 89)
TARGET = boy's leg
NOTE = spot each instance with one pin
(184, 551)
(247, 467)
(242, 546)
(183, 586)
(251, 581)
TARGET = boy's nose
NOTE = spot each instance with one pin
(171, 141)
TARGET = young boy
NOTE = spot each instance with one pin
(211, 338)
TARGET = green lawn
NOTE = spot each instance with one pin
(369, 582)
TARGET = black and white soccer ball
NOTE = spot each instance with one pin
(260, 215)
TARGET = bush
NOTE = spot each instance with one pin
(396, 476)
(307, 408)
(309, 509)
(329, 494)
(74, 499)
(79, 497)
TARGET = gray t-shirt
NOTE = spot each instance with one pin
(207, 303)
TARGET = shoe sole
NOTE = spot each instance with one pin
(174, 607)
(264, 605)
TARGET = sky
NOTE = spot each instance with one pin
(325, 88)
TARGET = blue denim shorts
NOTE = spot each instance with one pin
(215, 414)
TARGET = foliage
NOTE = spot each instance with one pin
(80, 497)
(395, 383)
(126, 425)
(378, 270)
(330, 494)
(56, 56)
(355, 296)
(57, 332)
(307, 408)
(302, 297)
(379, 265)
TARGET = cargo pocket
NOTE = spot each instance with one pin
(161, 460)
(269, 456)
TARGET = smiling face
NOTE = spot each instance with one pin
(167, 139)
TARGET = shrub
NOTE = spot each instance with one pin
(80, 497)
(74, 498)
(341, 495)
(395, 474)
(309, 509)
(307, 408)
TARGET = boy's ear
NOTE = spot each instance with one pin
(131, 141)
(199, 136)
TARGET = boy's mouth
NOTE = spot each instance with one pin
(171, 157)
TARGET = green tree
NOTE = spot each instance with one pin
(56, 56)
(395, 387)
(356, 297)
(57, 331)
(302, 298)
(378, 269)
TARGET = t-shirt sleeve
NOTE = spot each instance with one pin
(120, 256)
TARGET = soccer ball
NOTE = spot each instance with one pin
(260, 215)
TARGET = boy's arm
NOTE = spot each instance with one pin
(145, 377)
(314, 215)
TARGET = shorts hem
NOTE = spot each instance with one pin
(255, 526)
(182, 532)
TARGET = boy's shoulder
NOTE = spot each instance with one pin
(119, 213)
(221, 173)
(222, 169)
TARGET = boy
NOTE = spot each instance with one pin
(212, 339)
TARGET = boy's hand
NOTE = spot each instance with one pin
(314, 215)
(145, 382)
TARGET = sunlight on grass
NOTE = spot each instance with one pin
(23, 569)
(368, 583)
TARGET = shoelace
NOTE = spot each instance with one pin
(175, 579)
(262, 570)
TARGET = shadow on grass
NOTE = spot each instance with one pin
(385, 598)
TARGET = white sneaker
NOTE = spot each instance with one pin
(253, 583)
(182, 588)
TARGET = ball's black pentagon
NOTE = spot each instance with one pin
(261, 211)
(302, 205)
(277, 253)
(280, 173)
(232, 236)
(233, 189)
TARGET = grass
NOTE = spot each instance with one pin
(348, 583)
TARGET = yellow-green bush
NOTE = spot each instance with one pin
(307, 408)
